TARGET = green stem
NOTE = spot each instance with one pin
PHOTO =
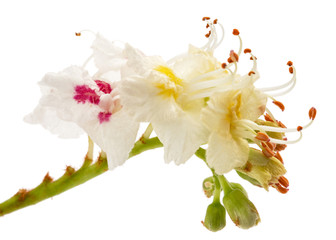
(71, 178)
(217, 191)
(225, 184)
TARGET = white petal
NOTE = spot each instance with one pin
(115, 137)
(107, 55)
(253, 103)
(181, 137)
(225, 153)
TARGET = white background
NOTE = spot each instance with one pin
(146, 198)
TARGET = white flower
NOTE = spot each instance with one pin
(72, 100)
(166, 94)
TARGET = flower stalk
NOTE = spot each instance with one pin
(70, 179)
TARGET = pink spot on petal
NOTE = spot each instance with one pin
(104, 86)
(84, 93)
(104, 116)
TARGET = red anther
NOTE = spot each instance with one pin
(299, 128)
(208, 34)
(291, 70)
(283, 181)
(280, 147)
(235, 32)
(250, 73)
(281, 189)
(262, 137)
(78, 34)
(312, 113)
(207, 26)
(251, 58)
(230, 60)
(224, 65)
(215, 21)
(278, 156)
(280, 105)
(247, 50)
(205, 18)
(268, 117)
(289, 63)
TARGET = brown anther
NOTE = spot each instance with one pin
(78, 34)
(281, 189)
(281, 124)
(224, 65)
(230, 60)
(215, 21)
(234, 56)
(291, 70)
(247, 50)
(205, 18)
(267, 151)
(289, 63)
(268, 117)
(280, 105)
(47, 178)
(280, 147)
(207, 26)
(283, 181)
(208, 34)
(22, 194)
(262, 137)
(251, 58)
(278, 156)
(250, 73)
(271, 145)
(312, 113)
(235, 32)
(299, 128)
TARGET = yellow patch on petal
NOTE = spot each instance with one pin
(169, 89)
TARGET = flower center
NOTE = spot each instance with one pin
(171, 87)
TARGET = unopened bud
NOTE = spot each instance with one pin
(239, 187)
(208, 186)
(240, 209)
(215, 218)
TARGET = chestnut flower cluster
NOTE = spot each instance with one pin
(189, 101)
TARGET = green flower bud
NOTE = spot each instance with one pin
(215, 218)
(240, 209)
(261, 169)
(239, 187)
(208, 186)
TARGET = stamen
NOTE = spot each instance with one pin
(278, 156)
(247, 50)
(280, 147)
(205, 18)
(208, 34)
(262, 137)
(312, 113)
(299, 128)
(235, 32)
(283, 181)
(250, 73)
(280, 105)
(215, 21)
(267, 151)
(281, 189)
(224, 65)
(78, 34)
(271, 145)
(268, 117)
(291, 70)
(290, 63)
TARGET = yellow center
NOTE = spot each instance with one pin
(168, 89)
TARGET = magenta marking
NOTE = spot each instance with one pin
(104, 86)
(84, 93)
(104, 116)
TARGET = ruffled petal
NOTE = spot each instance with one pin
(181, 137)
(226, 152)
